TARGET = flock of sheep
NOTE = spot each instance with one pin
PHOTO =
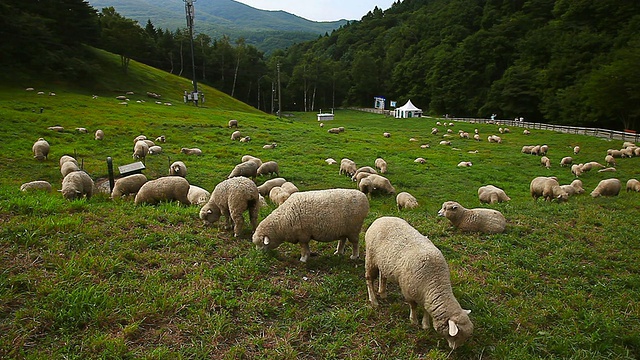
(395, 251)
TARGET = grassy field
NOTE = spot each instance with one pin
(105, 279)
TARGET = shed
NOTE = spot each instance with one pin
(407, 111)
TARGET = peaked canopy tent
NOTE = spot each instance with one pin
(407, 111)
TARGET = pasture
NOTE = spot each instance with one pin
(107, 279)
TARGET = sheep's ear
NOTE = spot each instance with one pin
(266, 240)
(60, 190)
(454, 207)
(453, 328)
(78, 192)
(467, 311)
(209, 211)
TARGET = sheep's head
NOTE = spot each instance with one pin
(263, 241)
(451, 210)
(209, 214)
(459, 328)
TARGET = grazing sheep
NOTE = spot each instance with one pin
(247, 169)
(544, 149)
(77, 184)
(547, 187)
(627, 152)
(535, 150)
(359, 176)
(610, 160)
(198, 195)
(82, 130)
(246, 158)
(494, 139)
(245, 139)
(544, 161)
(404, 200)
(374, 184)
(481, 220)
(140, 150)
(615, 153)
(65, 158)
(161, 139)
(321, 215)
(434, 131)
(387, 135)
(347, 167)
(236, 135)
(567, 160)
(57, 128)
(233, 123)
(178, 168)
(290, 187)
(139, 138)
(445, 142)
(45, 186)
(68, 167)
(633, 185)
(607, 187)
(270, 146)
(591, 164)
(334, 131)
(278, 195)
(155, 150)
(367, 169)
(574, 188)
(166, 188)
(341, 129)
(490, 194)
(527, 149)
(397, 252)
(476, 137)
(465, 164)
(420, 160)
(610, 169)
(99, 135)
(266, 187)
(507, 131)
(128, 185)
(576, 150)
(268, 168)
(425, 146)
(40, 149)
(330, 161)
(576, 169)
(526, 132)
(231, 198)
(381, 164)
(191, 151)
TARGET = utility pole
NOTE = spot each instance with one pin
(279, 94)
(189, 10)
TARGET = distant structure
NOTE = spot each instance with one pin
(408, 110)
(379, 102)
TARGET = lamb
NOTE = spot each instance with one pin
(375, 183)
(236, 135)
(347, 167)
(246, 158)
(490, 194)
(306, 216)
(574, 188)
(576, 150)
(404, 200)
(567, 160)
(632, 185)
(481, 220)
(99, 135)
(128, 185)
(279, 195)
(155, 150)
(247, 169)
(398, 252)
(547, 187)
(191, 151)
(607, 187)
(465, 164)
(330, 161)
(45, 186)
(198, 195)
(544, 161)
(77, 184)
(233, 123)
(140, 150)
(68, 167)
(381, 164)
(231, 198)
(269, 146)
(268, 168)
(166, 188)
(266, 187)
(610, 160)
(40, 149)
(178, 168)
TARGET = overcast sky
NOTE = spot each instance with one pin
(322, 10)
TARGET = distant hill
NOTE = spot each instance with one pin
(266, 30)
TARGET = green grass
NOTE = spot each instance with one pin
(108, 279)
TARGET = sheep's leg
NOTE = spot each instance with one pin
(304, 251)
(371, 272)
(253, 215)
(238, 223)
(413, 312)
(382, 286)
(355, 252)
(227, 215)
(425, 320)
(340, 248)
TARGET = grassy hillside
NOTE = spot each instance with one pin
(108, 279)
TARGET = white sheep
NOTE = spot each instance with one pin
(38, 185)
(278, 195)
(420, 160)
(494, 139)
(197, 195)
(128, 185)
(374, 184)
(65, 158)
(544, 149)
(178, 168)
(236, 135)
(607, 187)
(246, 158)
(139, 138)
(245, 139)
(77, 184)
(491, 194)
(233, 123)
(334, 131)
(68, 167)
(609, 169)
(321, 215)
(140, 150)
(231, 198)
(526, 132)
(330, 161)
(161, 139)
(270, 146)
(576, 150)
(465, 164)
(268, 168)
(610, 160)
(99, 135)
(404, 200)
(445, 142)
(575, 188)
(381, 164)
(535, 150)
(397, 252)
(57, 128)
(386, 134)
(40, 149)
(290, 187)
(544, 161)
(247, 169)
(155, 150)
(367, 169)
(481, 220)
(633, 185)
(82, 130)
(359, 176)
(347, 167)
(576, 169)
(548, 188)
(567, 160)
(266, 187)
(166, 188)
(191, 151)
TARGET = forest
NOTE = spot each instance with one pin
(568, 62)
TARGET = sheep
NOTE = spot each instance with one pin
(155, 150)
(359, 176)
(574, 188)
(236, 135)
(526, 132)
(266, 187)
(527, 149)
(268, 168)
(610, 169)
(544, 149)
(420, 160)
(547, 187)
(464, 135)
(425, 146)
(65, 158)
(77, 184)
(191, 151)
(82, 130)
(381, 164)
(434, 131)
(269, 146)
(321, 215)
(576, 169)
(149, 142)
(166, 188)
(289, 187)
(231, 198)
(140, 150)
(610, 160)
(590, 165)
(128, 185)
(330, 161)
(139, 138)
(636, 151)
(567, 160)
(246, 158)
(627, 144)
(161, 139)
(544, 161)
(614, 153)
(198, 195)
(367, 169)
(607, 187)
(57, 128)
(68, 167)
(396, 251)
(233, 123)
(278, 195)
(465, 164)
(347, 167)
(627, 152)
(386, 134)
(40, 149)
(40, 185)
(245, 139)
(535, 150)
(507, 131)
(375, 183)
(494, 139)
(481, 220)
(476, 137)
(247, 169)
(632, 185)
(404, 200)
(99, 135)
(334, 131)
(501, 130)
(490, 194)
(178, 168)
(341, 129)
(576, 150)
(413, 139)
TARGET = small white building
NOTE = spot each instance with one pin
(407, 111)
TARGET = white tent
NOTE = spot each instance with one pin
(407, 111)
